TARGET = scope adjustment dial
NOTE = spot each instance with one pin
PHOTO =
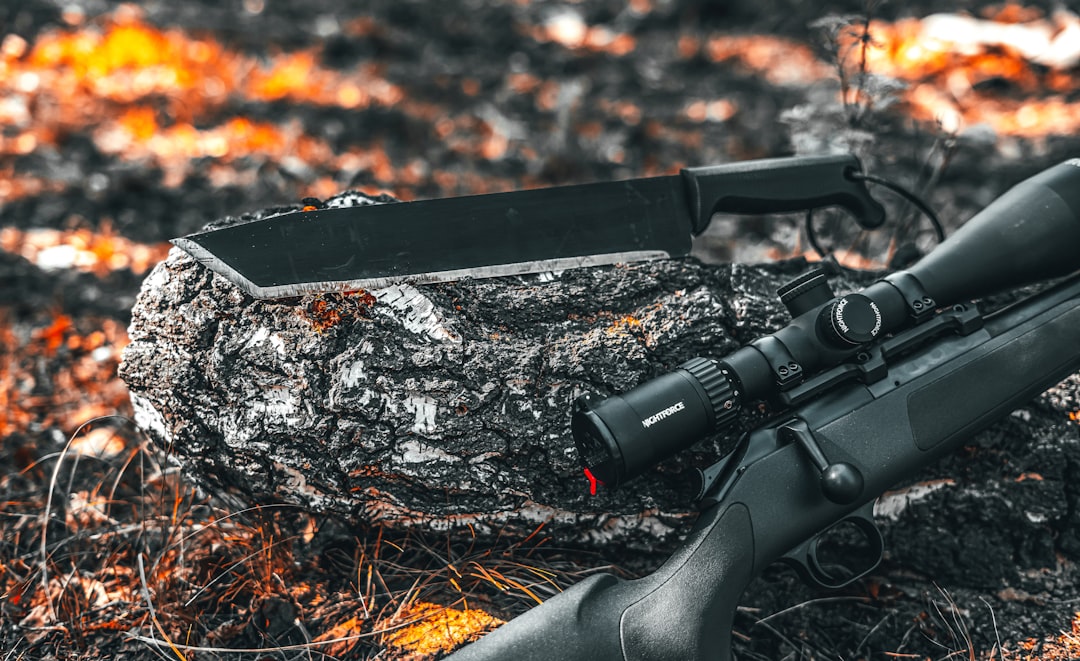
(719, 390)
(850, 321)
(806, 292)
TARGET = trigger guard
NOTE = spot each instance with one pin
(807, 562)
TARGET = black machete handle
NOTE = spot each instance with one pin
(777, 185)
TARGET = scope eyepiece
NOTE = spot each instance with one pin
(622, 435)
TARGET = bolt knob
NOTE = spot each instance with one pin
(841, 483)
(850, 321)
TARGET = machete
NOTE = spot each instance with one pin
(528, 231)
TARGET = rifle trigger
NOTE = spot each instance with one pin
(826, 560)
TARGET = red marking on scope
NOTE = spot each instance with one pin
(592, 482)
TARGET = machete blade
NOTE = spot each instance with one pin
(371, 246)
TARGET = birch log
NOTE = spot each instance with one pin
(444, 406)
(447, 406)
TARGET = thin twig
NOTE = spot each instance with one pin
(153, 614)
(811, 602)
(873, 630)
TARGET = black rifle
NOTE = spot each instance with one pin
(874, 385)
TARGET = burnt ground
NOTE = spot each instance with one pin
(488, 102)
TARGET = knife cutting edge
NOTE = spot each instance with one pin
(528, 231)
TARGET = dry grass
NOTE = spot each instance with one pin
(108, 552)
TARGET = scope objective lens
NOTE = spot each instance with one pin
(619, 437)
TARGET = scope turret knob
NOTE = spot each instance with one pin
(850, 321)
(806, 292)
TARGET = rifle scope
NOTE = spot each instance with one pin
(1030, 233)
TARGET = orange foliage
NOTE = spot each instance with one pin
(945, 59)
(146, 94)
(1064, 647)
(55, 334)
(780, 61)
(129, 60)
(571, 31)
(625, 322)
(97, 252)
(79, 385)
(342, 637)
(327, 311)
(436, 629)
(155, 94)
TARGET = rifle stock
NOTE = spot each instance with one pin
(654, 617)
(766, 503)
